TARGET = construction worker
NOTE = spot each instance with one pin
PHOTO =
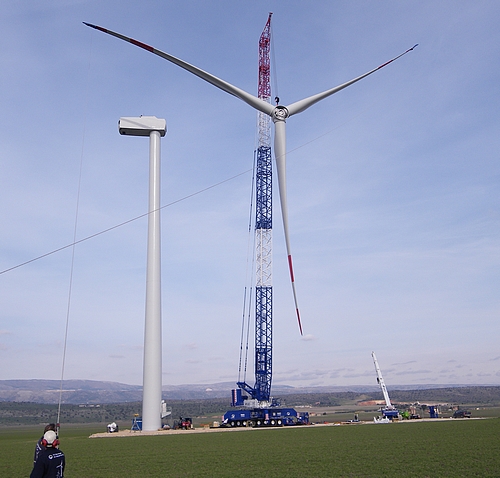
(38, 446)
(50, 461)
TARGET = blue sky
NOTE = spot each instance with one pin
(393, 188)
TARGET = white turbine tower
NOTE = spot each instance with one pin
(279, 114)
(152, 379)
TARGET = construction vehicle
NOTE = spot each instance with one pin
(389, 411)
(184, 423)
(461, 413)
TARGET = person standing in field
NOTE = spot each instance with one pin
(38, 446)
(50, 461)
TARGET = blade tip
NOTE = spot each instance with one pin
(95, 27)
(91, 25)
(300, 322)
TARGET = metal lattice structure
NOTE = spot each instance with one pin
(263, 235)
(263, 231)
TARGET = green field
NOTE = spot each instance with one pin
(441, 448)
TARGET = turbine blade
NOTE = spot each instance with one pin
(251, 100)
(280, 155)
(302, 105)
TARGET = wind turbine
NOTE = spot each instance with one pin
(279, 114)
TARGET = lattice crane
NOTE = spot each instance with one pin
(261, 391)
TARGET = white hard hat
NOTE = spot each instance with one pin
(50, 437)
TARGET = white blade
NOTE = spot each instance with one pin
(302, 105)
(251, 100)
(280, 155)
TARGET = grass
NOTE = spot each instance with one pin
(441, 448)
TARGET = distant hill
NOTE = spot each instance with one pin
(99, 392)
(74, 391)
(35, 402)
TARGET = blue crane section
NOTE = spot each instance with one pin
(263, 293)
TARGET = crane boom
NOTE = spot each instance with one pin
(380, 381)
(261, 391)
(263, 230)
(259, 408)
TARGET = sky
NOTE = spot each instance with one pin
(393, 190)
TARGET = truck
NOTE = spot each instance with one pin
(461, 413)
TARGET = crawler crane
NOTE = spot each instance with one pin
(254, 405)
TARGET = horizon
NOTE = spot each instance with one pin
(230, 384)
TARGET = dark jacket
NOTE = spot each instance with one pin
(49, 463)
(38, 449)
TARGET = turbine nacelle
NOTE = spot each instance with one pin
(142, 126)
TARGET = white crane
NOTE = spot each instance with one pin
(389, 411)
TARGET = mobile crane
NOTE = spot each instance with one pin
(389, 411)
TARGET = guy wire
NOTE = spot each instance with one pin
(74, 239)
